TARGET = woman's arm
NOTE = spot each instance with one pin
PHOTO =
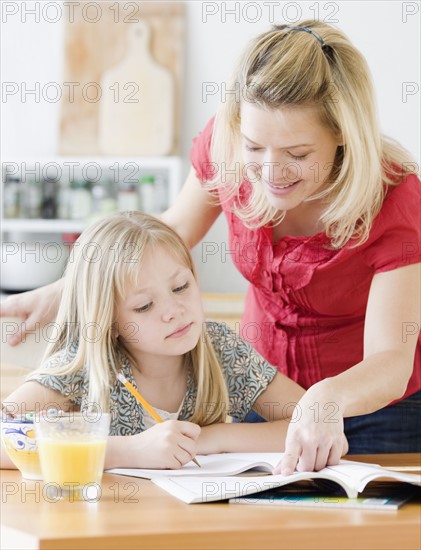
(36, 308)
(391, 333)
(193, 212)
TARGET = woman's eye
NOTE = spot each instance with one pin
(252, 149)
(143, 308)
(181, 288)
(299, 157)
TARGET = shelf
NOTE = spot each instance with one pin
(43, 226)
(78, 167)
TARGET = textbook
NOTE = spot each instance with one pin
(378, 496)
(219, 476)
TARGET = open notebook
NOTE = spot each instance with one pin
(226, 464)
(218, 477)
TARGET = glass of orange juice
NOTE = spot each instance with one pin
(72, 452)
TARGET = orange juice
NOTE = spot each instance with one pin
(73, 461)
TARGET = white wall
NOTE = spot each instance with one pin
(386, 32)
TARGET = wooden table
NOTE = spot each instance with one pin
(134, 513)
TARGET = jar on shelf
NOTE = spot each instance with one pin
(103, 198)
(147, 194)
(128, 198)
(81, 203)
(161, 193)
(12, 197)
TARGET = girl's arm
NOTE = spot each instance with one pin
(391, 333)
(167, 445)
(276, 404)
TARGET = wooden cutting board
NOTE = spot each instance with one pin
(104, 54)
(136, 115)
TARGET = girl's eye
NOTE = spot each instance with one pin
(181, 288)
(143, 308)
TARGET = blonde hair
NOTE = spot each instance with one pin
(106, 258)
(288, 68)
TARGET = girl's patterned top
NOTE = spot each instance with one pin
(246, 373)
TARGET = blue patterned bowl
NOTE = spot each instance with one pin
(18, 439)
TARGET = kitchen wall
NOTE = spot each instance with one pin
(386, 32)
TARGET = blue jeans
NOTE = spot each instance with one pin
(394, 429)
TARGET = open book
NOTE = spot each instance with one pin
(214, 480)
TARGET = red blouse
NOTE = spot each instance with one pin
(306, 305)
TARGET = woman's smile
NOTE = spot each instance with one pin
(281, 188)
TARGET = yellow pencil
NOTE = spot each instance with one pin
(143, 402)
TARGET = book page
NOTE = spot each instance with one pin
(226, 464)
(358, 475)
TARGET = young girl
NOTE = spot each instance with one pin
(131, 303)
(323, 215)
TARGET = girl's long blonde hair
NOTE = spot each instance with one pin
(289, 68)
(106, 258)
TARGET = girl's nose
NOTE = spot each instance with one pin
(173, 309)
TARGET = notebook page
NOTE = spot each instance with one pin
(226, 464)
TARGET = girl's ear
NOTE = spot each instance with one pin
(114, 330)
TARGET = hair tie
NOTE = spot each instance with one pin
(327, 50)
(310, 31)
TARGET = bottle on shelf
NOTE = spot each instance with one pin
(48, 202)
(147, 194)
(32, 199)
(64, 200)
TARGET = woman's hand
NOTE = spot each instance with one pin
(169, 445)
(36, 308)
(315, 437)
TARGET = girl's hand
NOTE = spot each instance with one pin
(315, 437)
(36, 307)
(169, 445)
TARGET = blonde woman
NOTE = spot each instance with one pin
(324, 218)
(131, 303)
